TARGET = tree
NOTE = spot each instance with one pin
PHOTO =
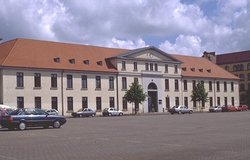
(135, 95)
(199, 94)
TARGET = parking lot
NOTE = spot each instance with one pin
(198, 136)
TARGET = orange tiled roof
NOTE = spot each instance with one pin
(40, 54)
(201, 67)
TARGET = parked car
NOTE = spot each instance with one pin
(242, 108)
(4, 112)
(52, 112)
(180, 109)
(111, 112)
(22, 118)
(84, 112)
(215, 109)
(229, 108)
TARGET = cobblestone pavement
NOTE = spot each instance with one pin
(205, 136)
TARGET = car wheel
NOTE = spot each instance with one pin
(110, 114)
(80, 115)
(56, 124)
(22, 126)
(190, 112)
(120, 114)
(179, 112)
(93, 115)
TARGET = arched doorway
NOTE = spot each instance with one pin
(152, 98)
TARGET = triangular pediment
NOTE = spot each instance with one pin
(148, 53)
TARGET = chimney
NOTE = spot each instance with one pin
(210, 56)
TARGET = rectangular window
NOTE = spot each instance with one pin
(70, 103)
(54, 103)
(20, 102)
(136, 80)
(177, 103)
(218, 86)
(210, 86)
(156, 67)
(146, 67)
(111, 83)
(84, 82)
(225, 101)
(186, 101)
(19, 79)
(151, 66)
(69, 81)
(194, 84)
(225, 86)
(185, 85)
(167, 102)
(84, 102)
(232, 99)
(211, 101)
(124, 83)
(53, 80)
(124, 103)
(194, 104)
(166, 68)
(123, 65)
(218, 101)
(175, 69)
(167, 84)
(135, 66)
(111, 102)
(98, 82)
(98, 103)
(38, 103)
(37, 80)
(176, 85)
(232, 86)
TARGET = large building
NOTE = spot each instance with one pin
(68, 77)
(238, 63)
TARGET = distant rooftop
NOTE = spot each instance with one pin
(234, 57)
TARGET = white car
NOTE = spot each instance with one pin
(111, 112)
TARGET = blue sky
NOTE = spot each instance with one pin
(187, 27)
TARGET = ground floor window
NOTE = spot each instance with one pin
(38, 102)
(218, 101)
(124, 103)
(84, 102)
(54, 103)
(98, 103)
(232, 101)
(211, 101)
(225, 99)
(177, 103)
(20, 102)
(70, 103)
(111, 102)
(186, 101)
(167, 102)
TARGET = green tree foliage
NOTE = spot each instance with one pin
(199, 94)
(135, 95)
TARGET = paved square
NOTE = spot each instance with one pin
(199, 136)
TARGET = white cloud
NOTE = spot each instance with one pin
(128, 44)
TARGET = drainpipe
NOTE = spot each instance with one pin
(215, 98)
(117, 92)
(62, 92)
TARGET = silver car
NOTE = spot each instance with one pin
(111, 112)
(84, 112)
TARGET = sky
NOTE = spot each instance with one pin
(187, 27)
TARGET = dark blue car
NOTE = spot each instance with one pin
(22, 118)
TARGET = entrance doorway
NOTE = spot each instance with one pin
(152, 98)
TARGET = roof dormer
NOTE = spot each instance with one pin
(72, 61)
(99, 63)
(86, 62)
(57, 60)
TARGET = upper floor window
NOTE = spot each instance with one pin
(185, 85)
(135, 66)
(98, 82)
(38, 103)
(123, 65)
(53, 80)
(210, 86)
(227, 68)
(175, 69)
(194, 84)
(124, 83)
(84, 82)
(156, 67)
(218, 86)
(242, 87)
(146, 67)
(232, 86)
(167, 84)
(225, 86)
(176, 85)
(111, 82)
(37, 80)
(151, 66)
(19, 79)
(166, 68)
(69, 81)
(136, 80)
(242, 77)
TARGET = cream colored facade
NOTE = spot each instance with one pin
(151, 67)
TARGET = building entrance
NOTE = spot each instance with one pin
(152, 98)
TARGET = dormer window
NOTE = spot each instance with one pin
(99, 63)
(201, 70)
(184, 68)
(57, 60)
(209, 70)
(72, 61)
(86, 62)
(193, 69)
